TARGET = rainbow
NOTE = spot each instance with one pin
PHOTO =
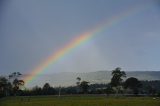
(81, 39)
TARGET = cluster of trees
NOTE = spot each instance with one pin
(11, 85)
(150, 87)
(119, 84)
(45, 90)
(131, 85)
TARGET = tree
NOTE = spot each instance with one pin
(78, 84)
(116, 80)
(48, 90)
(46, 86)
(16, 83)
(84, 86)
(78, 81)
(36, 90)
(133, 84)
(15, 74)
(3, 86)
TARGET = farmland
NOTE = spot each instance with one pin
(79, 101)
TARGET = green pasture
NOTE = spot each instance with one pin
(79, 101)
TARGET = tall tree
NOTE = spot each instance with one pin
(3, 86)
(16, 83)
(116, 80)
(78, 81)
(78, 84)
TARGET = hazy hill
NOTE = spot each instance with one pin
(69, 78)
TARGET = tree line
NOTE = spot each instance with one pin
(14, 86)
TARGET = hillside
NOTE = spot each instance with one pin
(69, 78)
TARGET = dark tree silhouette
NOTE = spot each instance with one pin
(78, 84)
(78, 81)
(84, 86)
(15, 75)
(36, 90)
(48, 90)
(46, 86)
(16, 83)
(3, 86)
(116, 80)
(133, 84)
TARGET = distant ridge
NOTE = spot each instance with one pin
(69, 78)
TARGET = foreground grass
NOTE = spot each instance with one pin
(79, 101)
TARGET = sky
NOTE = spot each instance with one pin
(32, 30)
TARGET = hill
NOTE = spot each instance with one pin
(69, 78)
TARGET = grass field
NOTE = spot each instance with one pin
(79, 101)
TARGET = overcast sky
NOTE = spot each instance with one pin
(32, 30)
